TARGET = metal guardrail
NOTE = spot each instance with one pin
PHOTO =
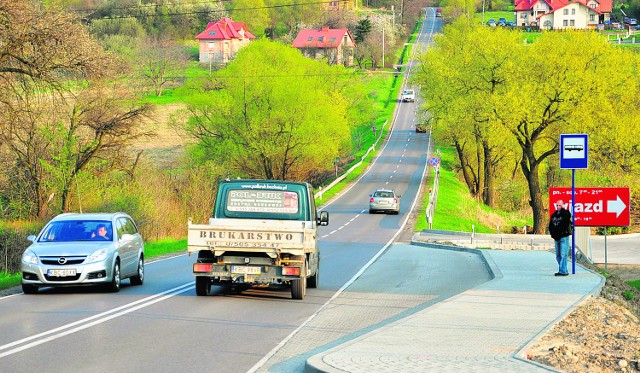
(350, 170)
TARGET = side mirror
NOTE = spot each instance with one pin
(323, 218)
(31, 238)
(397, 195)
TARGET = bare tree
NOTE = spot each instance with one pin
(161, 61)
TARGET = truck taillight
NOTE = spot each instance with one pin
(395, 200)
(202, 267)
(291, 271)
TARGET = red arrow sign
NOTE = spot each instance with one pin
(595, 207)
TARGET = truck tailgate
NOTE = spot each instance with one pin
(251, 235)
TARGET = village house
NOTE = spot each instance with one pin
(562, 14)
(221, 40)
(336, 45)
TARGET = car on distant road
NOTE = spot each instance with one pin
(99, 249)
(439, 12)
(384, 200)
(502, 22)
(421, 128)
(511, 23)
(492, 22)
(633, 22)
(408, 95)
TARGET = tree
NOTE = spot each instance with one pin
(160, 61)
(272, 113)
(563, 83)
(254, 13)
(363, 27)
(48, 130)
(460, 79)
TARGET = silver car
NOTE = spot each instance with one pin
(84, 249)
(384, 200)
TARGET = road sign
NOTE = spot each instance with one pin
(434, 161)
(595, 207)
(574, 151)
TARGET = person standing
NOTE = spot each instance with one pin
(560, 228)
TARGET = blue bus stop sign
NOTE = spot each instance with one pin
(574, 151)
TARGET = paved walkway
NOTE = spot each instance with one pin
(487, 328)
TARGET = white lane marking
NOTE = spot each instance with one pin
(146, 263)
(85, 323)
(343, 225)
(271, 353)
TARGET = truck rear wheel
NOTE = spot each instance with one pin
(203, 286)
(298, 288)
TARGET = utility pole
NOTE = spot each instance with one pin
(393, 18)
(383, 47)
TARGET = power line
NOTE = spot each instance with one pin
(201, 12)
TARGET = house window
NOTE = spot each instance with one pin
(573, 12)
(212, 33)
(523, 15)
(565, 11)
(320, 38)
(332, 40)
(211, 45)
(310, 38)
(572, 23)
(592, 18)
(565, 23)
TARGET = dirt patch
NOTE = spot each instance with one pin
(600, 335)
(167, 145)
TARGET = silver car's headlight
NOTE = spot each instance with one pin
(97, 256)
(30, 257)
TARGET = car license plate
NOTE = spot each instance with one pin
(384, 202)
(61, 272)
(246, 270)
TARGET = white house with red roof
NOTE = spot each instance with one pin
(562, 14)
(221, 40)
(336, 45)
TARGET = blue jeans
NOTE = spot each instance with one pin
(562, 253)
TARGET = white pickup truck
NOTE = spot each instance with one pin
(262, 233)
(408, 95)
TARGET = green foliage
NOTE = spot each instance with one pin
(363, 27)
(628, 294)
(474, 85)
(271, 113)
(635, 283)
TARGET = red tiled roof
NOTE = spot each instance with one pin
(323, 38)
(224, 29)
(605, 6)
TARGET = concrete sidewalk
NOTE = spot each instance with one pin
(487, 328)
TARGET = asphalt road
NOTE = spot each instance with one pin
(162, 326)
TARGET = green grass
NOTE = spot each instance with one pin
(457, 210)
(509, 16)
(157, 248)
(635, 284)
(9, 280)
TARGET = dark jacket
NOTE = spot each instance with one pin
(560, 224)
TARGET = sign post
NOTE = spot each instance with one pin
(596, 207)
(574, 151)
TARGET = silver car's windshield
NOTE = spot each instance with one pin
(77, 230)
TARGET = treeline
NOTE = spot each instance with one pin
(72, 112)
(502, 105)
